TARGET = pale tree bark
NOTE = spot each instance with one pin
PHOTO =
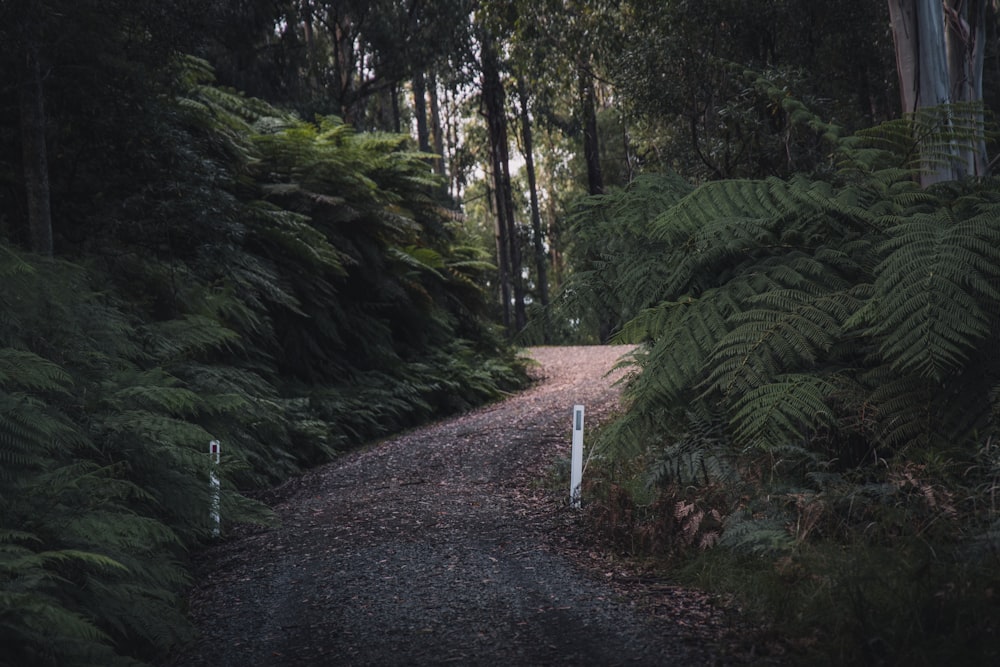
(341, 30)
(33, 144)
(451, 127)
(939, 58)
(965, 46)
(918, 34)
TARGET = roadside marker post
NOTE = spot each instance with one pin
(213, 479)
(576, 461)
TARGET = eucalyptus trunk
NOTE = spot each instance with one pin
(939, 58)
(965, 47)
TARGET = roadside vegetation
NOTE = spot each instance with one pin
(813, 425)
(289, 288)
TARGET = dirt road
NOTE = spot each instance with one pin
(442, 546)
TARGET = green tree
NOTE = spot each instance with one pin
(341, 57)
(704, 82)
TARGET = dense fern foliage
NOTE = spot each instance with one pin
(818, 370)
(288, 288)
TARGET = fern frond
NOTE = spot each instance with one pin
(745, 534)
(20, 369)
(292, 233)
(12, 264)
(788, 409)
(929, 312)
(183, 438)
(683, 335)
(41, 614)
(187, 336)
(700, 454)
(76, 556)
(727, 201)
(420, 259)
(156, 391)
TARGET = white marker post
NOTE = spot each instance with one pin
(213, 480)
(576, 462)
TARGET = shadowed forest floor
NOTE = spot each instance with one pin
(444, 546)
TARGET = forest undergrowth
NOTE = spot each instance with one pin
(812, 425)
(290, 289)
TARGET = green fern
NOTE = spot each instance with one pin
(20, 369)
(935, 291)
(701, 453)
(800, 331)
(747, 535)
(289, 288)
(933, 137)
(789, 409)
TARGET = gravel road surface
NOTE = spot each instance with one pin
(445, 546)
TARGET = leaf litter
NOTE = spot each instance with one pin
(440, 546)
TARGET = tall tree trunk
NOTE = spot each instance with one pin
(34, 148)
(397, 122)
(451, 131)
(420, 111)
(312, 59)
(965, 46)
(344, 65)
(592, 155)
(503, 254)
(508, 243)
(492, 105)
(918, 35)
(541, 267)
(554, 236)
(591, 140)
(437, 133)
(385, 109)
(939, 58)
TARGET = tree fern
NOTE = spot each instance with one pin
(700, 452)
(289, 288)
(789, 409)
(20, 369)
(683, 334)
(799, 330)
(935, 291)
(782, 329)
